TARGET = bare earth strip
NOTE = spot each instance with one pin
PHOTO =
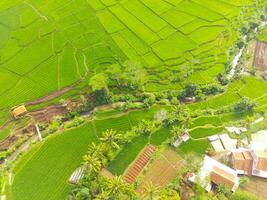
(162, 170)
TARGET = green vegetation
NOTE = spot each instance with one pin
(76, 41)
(50, 164)
(159, 68)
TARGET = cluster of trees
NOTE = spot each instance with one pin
(129, 76)
(244, 105)
(95, 186)
(193, 90)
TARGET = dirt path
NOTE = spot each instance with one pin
(51, 96)
(24, 147)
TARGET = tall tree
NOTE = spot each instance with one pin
(117, 189)
(92, 163)
(111, 137)
(151, 192)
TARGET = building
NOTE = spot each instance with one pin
(214, 173)
(19, 111)
(242, 162)
(250, 162)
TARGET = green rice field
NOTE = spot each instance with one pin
(71, 40)
(46, 46)
(43, 173)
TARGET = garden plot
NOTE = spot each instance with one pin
(139, 164)
(162, 170)
(260, 58)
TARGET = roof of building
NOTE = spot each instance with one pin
(222, 177)
(219, 173)
(247, 155)
(19, 111)
(262, 164)
(238, 156)
(243, 161)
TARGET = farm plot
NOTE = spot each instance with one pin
(139, 164)
(161, 170)
(198, 146)
(260, 58)
(43, 173)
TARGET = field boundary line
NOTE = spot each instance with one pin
(37, 11)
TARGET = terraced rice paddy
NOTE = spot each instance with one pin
(71, 40)
(46, 46)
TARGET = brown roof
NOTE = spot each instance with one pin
(262, 164)
(220, 177)
(238, 156)
(243, 161)
(247, 155)
(19, 111)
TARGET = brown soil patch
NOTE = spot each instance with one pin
(8, 142)
(162, 170)
(138, 165)
(48, 113)
(257, 186)
(260, 58)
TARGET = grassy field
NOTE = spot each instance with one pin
(43, 172)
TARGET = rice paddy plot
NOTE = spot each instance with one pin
(43, 173)
(48, 46)
(117, 123)
(194, 146)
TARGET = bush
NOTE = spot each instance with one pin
(242, 195)
(54, 126)
(212, 89)
(222, 78)
(244, 105)
(75, 122)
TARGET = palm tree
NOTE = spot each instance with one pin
(118, 189)
(112, 138)
(151, 192)
(92, 163)
(177, 132)
(102, 196)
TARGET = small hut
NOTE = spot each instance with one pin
(19, 111)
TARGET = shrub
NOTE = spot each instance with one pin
(75, 122)
(244, 105)
(212, 89)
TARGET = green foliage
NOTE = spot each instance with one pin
(223, 189)
(98, 82)
(242, 195)
(245, 105)
(77, 121)
(55, 159)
